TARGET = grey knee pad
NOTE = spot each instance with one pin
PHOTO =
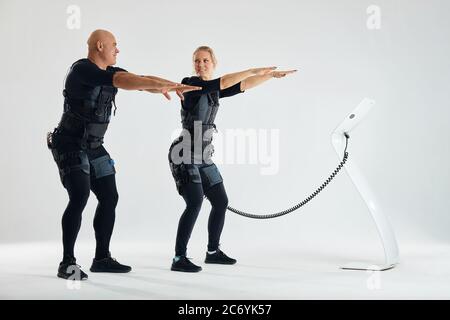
(102, 167)
(193, 174)
(184, 174)
(210, 176)
(71, 162)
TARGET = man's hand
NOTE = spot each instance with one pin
(178, 88)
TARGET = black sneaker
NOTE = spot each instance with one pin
(184, 265)
(109, 265)
(219, 257)
(68, 269)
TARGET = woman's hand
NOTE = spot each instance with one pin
(264, 74)
(262, 71)
(281, 74)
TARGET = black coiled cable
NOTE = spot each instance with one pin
(301, 204)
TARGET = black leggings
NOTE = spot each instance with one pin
(193, 196)
(78, 185)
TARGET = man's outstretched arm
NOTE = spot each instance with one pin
(131, 81)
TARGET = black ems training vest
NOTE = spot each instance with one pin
(86, 118)
(205, 111)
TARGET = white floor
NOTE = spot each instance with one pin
(28, 271)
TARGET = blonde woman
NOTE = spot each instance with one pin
(196, 176)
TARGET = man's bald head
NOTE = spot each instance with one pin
(101, 36)
(102, 45)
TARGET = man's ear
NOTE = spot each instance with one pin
(99, 46)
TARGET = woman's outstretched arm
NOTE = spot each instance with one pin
(231, 79)
(225, 82)
(254, 81)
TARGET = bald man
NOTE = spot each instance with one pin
(77, 147)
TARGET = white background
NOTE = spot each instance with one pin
(402, 146)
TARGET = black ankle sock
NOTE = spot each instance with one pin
(101, 254)
(68, 258)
